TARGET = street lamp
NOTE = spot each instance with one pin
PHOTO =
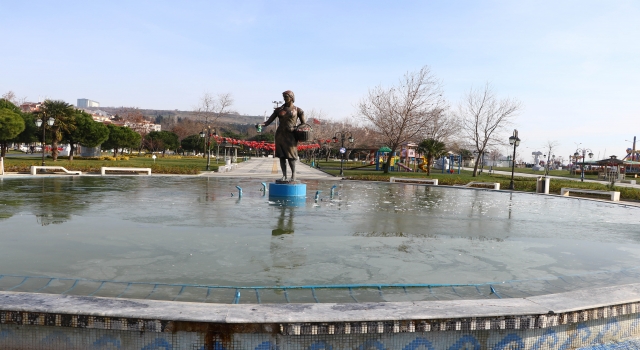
(584, 153)
(343, 150)
(515, 141)
(39, 123)
(206, 135)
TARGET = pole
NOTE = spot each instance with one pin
(208, 148)
(204, 144)
(582, 172)
(342, 160)
(513, 160)
(43, 136)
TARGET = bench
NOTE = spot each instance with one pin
(104, 169)
(35, 168)
(410, 180)
(615, 195)
(495, 185)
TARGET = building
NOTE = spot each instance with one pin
(143, 127)
(30, 107)
(85, 103)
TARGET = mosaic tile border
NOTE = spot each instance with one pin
(462, 324)
(524, 322)
(82, 321)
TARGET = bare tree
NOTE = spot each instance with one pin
(443, 127)
(549, 146)
(401, 113)
(483, 116)
(494, 155)
(209, 110)
(13, 98)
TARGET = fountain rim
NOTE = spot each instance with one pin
(541, 305)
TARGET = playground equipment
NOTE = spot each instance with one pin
(381, 158)
(423, 164)
(448, 162)
(404, 167)
(441, 163)
(631, 155)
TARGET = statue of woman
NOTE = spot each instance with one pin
(286, 143)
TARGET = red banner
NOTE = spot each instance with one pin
(267, 146)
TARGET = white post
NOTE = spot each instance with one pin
(1, 165)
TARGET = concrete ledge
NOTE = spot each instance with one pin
(35, 168)
(413, 181)
(227, 168)
(104, 169)
(556, 305)
(495, 185)
(615, 195)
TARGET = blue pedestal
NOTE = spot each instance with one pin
(288, 195)
(287, 190)
(288, 201)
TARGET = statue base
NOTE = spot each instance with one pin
(287, 189)
(288, 182)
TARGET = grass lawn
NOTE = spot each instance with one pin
(527, 184)
(162, 165)
(559, 173)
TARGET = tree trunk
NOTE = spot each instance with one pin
(475, 166)
(429, 166)
(71, 149)
(3, 149)
(387, 164)
(54, 149)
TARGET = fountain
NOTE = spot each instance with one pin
(207, 243)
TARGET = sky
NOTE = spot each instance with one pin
(572, 64)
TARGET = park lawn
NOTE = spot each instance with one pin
(162, 165)
(526, 184)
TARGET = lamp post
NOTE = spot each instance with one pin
(206, 135)
(584, 153)
(515, 141)
(343, 151)
(39, 122)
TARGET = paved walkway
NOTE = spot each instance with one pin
(269, 168)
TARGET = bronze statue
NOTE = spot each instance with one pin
(286, 143)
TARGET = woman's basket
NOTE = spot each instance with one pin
(302, 132)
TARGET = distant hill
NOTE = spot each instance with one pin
(231, 118)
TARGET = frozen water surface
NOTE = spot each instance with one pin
(197, 230)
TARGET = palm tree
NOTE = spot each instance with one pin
(431, 148)
(62, 113)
